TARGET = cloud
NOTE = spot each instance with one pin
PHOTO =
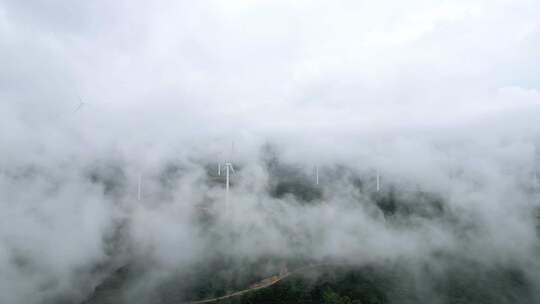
(440, 98)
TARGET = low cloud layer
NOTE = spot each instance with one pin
(442, 99)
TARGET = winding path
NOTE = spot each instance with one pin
(265, 283)
(259, 285)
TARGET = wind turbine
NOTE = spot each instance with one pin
(316, 174)
(80, 105)
(228, 167)
(218, 163)
(378, 181)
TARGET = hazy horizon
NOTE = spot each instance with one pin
(438, 97)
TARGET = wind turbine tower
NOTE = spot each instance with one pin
(228, 169)
(378, 181)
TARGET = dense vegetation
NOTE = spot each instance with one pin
(442, 277)
(404, 282)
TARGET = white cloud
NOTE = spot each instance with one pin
(434, 94)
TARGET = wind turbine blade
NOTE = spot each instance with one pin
(78, 107)
(232, 169)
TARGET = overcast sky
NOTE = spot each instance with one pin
(178, 70)
(417, 89)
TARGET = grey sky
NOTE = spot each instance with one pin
(423, 90)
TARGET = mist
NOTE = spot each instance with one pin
(441, 100)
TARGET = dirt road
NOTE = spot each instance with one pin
(265, 283)
(259, 285)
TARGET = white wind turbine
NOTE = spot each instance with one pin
(219, 165)
(377, 170)
(378, 181)
(316, 174)
(229, 168)
(80, 105)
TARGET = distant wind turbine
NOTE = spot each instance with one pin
(378, 181)
(228, 167)
(219, 163)
(228, 170)
(80, 105)
(316, 175)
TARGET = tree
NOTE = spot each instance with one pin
(331, 297)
